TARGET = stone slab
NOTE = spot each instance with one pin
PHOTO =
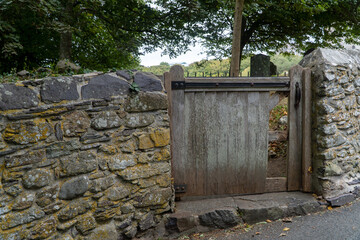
(104, 86)
(25, 97)
(148, 82)
(341, 200)
(58, 89)
(224, 212)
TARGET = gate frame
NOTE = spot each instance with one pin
(299, 166)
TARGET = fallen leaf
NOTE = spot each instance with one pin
(287, 219)
(282, 234)
(269, 221)
(257, 233)
(329, 208)
(286, 229)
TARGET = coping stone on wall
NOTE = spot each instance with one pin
(25, 97)
(104, 86)
(332, 56)
(124, 74)
(148, 82)
(56, 90)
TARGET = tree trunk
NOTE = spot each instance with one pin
(236, 49)
(66, 36)
(65, 45)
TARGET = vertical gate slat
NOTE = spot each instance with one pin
(199, 127)
(232, 150)
(190, 138)
(255, 163)
(244, 138)
(295, 131)
(211, 143)
(262, 143)
(222, 126)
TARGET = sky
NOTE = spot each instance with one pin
(155, 58)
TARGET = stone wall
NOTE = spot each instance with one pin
(335, 122)
(82, 157)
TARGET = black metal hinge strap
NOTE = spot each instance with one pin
(192, 85)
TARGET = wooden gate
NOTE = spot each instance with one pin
(219, 132)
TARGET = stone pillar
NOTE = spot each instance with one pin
(335, 122)
(260, 66)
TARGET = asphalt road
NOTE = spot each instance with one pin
(341, 223)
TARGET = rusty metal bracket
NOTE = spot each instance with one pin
(180, 188)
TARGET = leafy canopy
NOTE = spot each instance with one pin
(105, 33)
(275, 26)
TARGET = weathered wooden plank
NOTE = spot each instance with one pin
(190, 153)
(306, 133)
(222, 140)
(177, 133)
(167, 85)
(262, 140)
(199, 147)
(277, 184)
(243, 136)
(232, 143)
(256, 172)
(211, 144)
(295, 131)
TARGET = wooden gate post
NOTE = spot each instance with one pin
(306, 133)
(295, 105)
(176, 112)
(299, 123)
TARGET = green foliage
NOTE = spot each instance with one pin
(134, 87)
(156, 69)
(112, 34)
(275, 114)
(281, 26)
(105, 33)
(283, 63)
(25, 38)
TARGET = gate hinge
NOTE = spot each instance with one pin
(177, 85)
(180, 188)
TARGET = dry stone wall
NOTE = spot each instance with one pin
(81, 157)
(335, 122)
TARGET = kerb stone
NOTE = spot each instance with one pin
(341, 200)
